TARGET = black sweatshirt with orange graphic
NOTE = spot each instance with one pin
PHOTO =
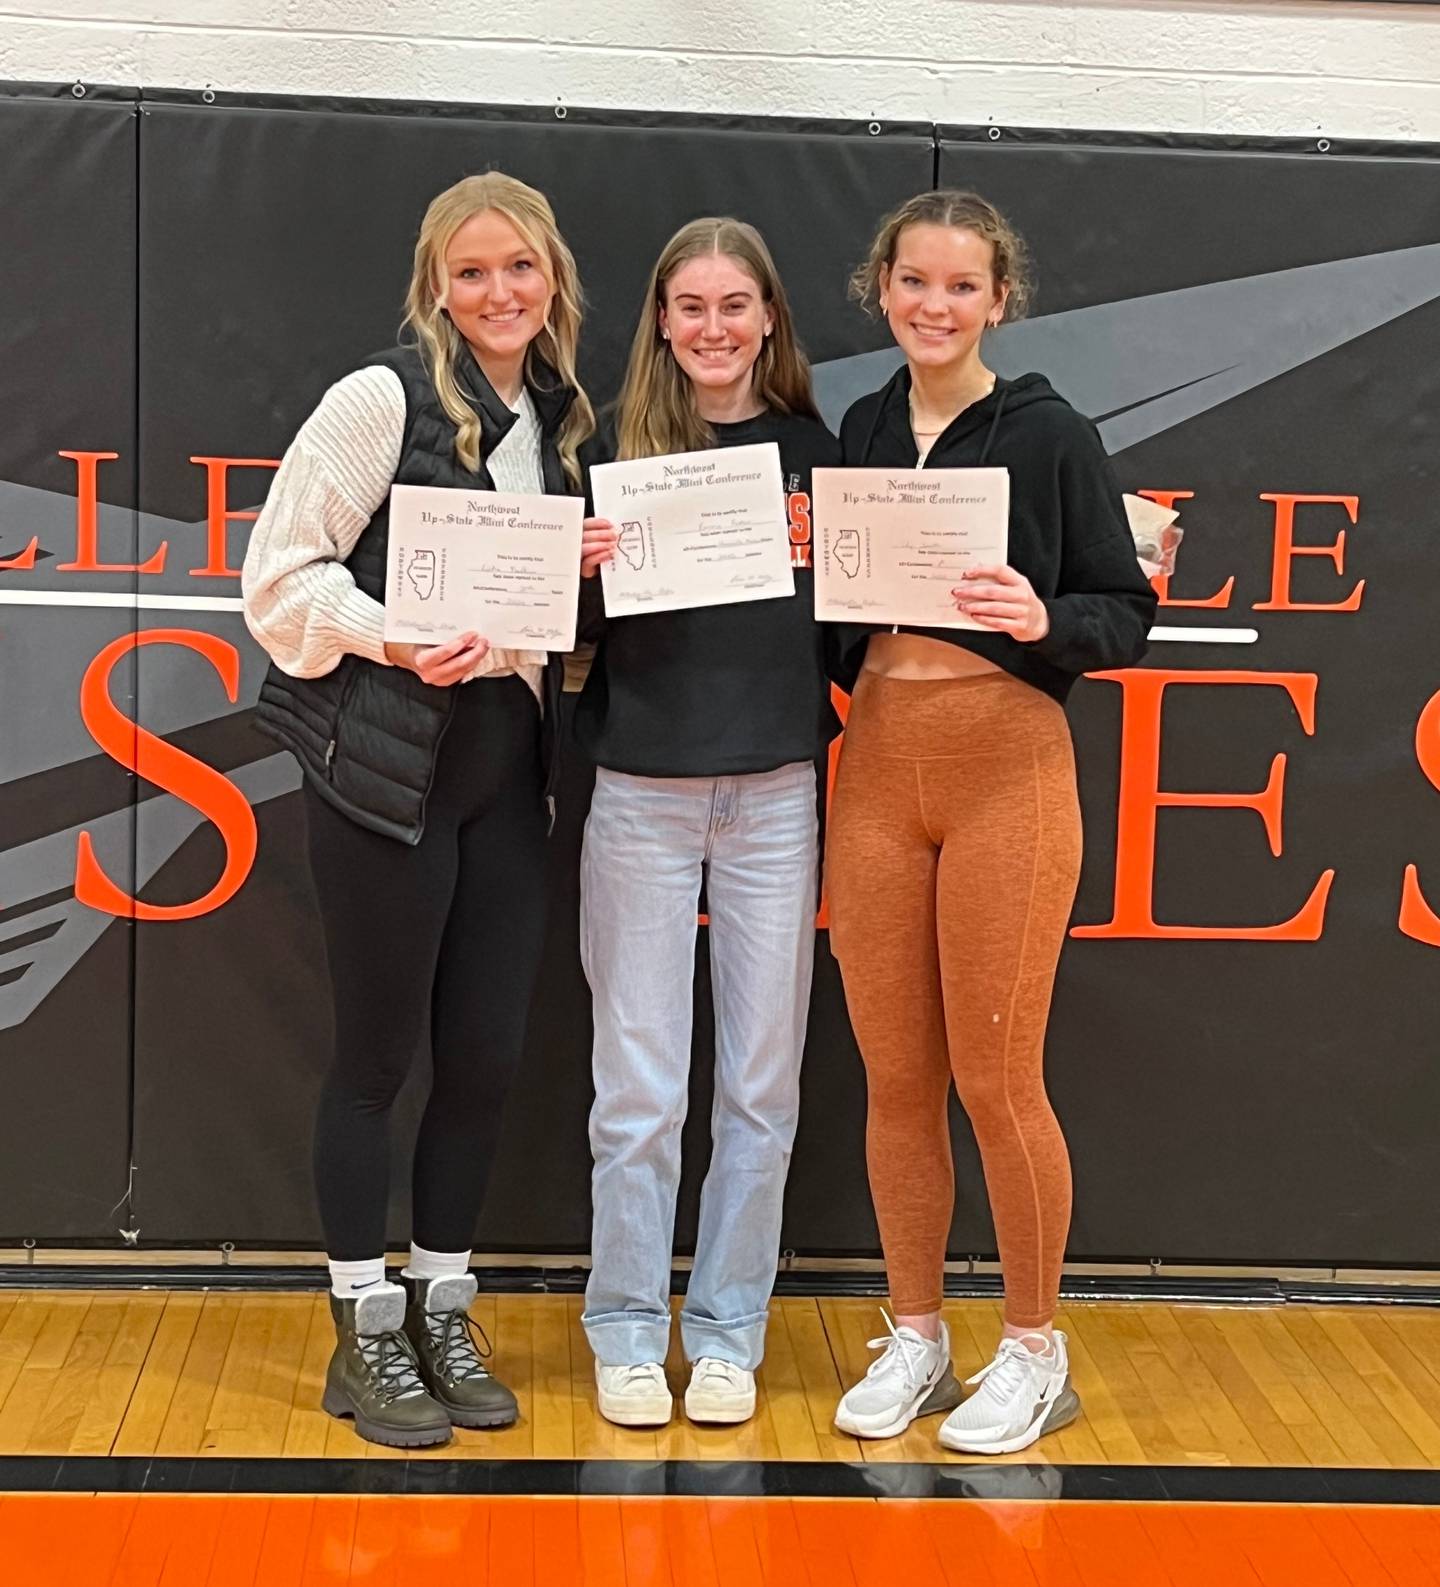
(718, 691)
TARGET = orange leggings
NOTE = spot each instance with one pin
(952, 858)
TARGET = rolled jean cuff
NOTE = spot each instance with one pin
(742, 1342)
(628, 1338)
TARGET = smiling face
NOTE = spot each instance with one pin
(716, 320)
(495, 288)
(940, 294)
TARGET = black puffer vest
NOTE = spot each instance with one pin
(366, 736)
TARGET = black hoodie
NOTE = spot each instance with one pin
(1068, 531)
(718, 691)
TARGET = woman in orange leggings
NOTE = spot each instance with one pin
(954, 841)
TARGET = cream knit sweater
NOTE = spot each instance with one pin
(301, 602)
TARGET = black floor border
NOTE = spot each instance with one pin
(797, 1281)
(714, 1479)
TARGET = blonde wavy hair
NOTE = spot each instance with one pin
(529, 212)
(657, 412)
(950, 207)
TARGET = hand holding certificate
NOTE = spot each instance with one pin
(500, 565)
(696, 529)
(892, 544)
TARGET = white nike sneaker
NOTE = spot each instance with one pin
(719, 1392)
(911, 1377)
(1021, 1395)
(635, 1396)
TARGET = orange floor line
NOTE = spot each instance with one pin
(175, 1540)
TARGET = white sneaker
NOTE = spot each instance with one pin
(911, 1377)
(1021, 1395)
(719, 1391)
(633, 1396)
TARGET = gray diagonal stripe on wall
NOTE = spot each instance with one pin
(1151, 363)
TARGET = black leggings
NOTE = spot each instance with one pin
(448, 933)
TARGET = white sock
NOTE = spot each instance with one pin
(426, 1265)
(350, 1280)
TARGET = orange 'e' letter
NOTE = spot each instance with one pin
(1286, 551)
(218, 514)
(87, 523)
(1141, 797)
(171, 769)
(1417, 919)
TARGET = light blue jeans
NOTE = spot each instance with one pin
(647, 842)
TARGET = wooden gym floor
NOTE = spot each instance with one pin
(176, 1438)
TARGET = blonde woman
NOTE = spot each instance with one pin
(705, 726)
(425, 784)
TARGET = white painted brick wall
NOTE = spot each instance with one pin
(1291, 67)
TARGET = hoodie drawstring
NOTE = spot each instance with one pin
(994, 425)
(880, 408)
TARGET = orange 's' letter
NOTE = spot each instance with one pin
(1417, 919)
(173, 770)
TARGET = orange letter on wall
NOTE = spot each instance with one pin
(87, 530)
(172, 769)
(841, 701)
(1417, 919)
(1161, 582)
(1286, 551)
(1141, 797)
(25, 559)
(218, 514)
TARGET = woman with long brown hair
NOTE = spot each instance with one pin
(954, 842)
(425, 789)
(705, 726)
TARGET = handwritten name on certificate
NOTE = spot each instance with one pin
(892, 543)
(696, 529)
(506, 567)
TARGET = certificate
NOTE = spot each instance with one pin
(696, 529)
(891, 543)
(504, 566)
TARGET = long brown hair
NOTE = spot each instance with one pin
(950, 207)
(529, 212)
(657, 402)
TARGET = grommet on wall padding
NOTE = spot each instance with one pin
(1323, 145)
(78, 89)
(561, 112)
(874, 129)
(994, 134)
(208, 96)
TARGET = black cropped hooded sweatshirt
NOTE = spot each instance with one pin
(1068, 530)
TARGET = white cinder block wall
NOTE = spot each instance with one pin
(1289, 67)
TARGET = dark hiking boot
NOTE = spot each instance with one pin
(450, 1347)
(373, 1374)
